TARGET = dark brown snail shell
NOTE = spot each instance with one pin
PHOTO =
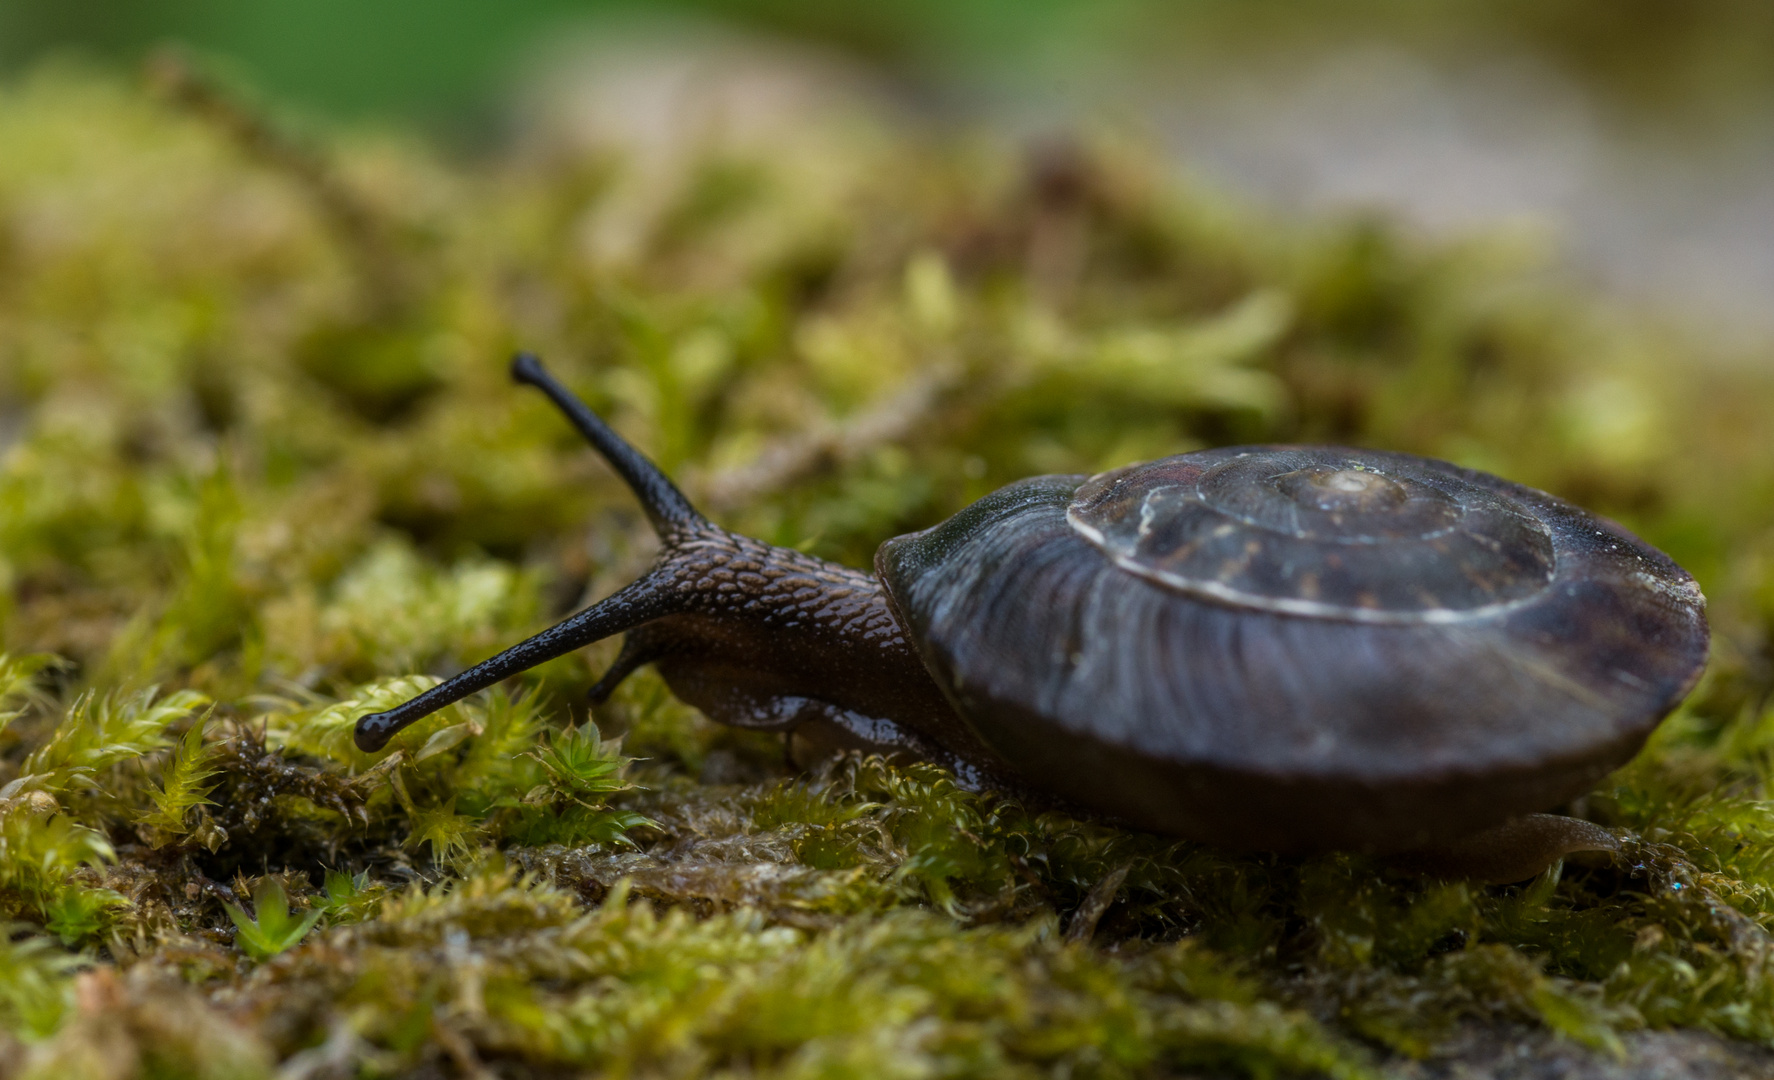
(1295, 648)
(1276, 648)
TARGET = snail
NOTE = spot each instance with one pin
(1278, 648)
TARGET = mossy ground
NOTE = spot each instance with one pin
(263, 471)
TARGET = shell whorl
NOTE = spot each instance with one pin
(1324, 532)
(1212, 699)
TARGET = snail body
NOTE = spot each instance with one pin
(1272, 648)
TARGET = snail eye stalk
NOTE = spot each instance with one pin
(666, 506)
(640, 602)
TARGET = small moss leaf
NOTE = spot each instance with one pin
(582, 767)
(36, 988)
(271, 928)
(350, 898)
(184, 786)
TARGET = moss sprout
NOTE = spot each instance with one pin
(271, 928)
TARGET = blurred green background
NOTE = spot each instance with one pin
(1636, 135)
(441, 57)
(1680, 58)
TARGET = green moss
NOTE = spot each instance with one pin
(270, 929)
(183, 788)
(270, 464)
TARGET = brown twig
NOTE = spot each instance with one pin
(361, 228)
(830, 446)
(1096, 903)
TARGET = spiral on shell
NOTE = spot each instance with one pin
(1292, 648)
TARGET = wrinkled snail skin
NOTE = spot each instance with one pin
(768, 638)
(1290, 649)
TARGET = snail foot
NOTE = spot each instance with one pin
(1516, 850)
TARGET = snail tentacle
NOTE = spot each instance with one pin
(640, 602)
(667, 508)
(637, 652)
(754, 635)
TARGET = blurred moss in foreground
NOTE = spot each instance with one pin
(262, 473)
